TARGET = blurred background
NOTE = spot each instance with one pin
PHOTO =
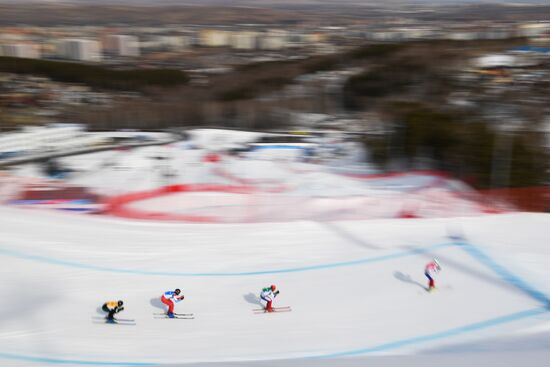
(452, 86)
(331, 147)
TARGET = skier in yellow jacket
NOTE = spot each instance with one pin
(112, 307)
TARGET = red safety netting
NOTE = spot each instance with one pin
(119, 205)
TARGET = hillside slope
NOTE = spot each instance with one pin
(356, 288)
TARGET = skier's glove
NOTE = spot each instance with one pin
(181, 297)
(276, 292)
(120, 309)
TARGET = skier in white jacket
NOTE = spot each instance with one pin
(267, 296)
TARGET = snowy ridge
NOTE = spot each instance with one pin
(280, 187)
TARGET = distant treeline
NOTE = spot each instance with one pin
(94, 76)
(252, 80)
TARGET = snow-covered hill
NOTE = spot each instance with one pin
(356, 288)
(333, 243)
(270, 182)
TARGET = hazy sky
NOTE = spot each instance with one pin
(229, 2)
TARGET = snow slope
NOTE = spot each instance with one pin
(356, 287)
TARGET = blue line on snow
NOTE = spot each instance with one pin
(440, 335)
(19, 357)
(379, 348)
(505, 274)
(54, 261)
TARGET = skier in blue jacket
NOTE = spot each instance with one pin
(170, 298)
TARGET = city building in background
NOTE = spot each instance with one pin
(22, 50)
(79, 50)
(122, 45)
(214, 38)
(273, 39)
(244, 40)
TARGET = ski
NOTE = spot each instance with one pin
(105, 322)
(125, 320)
(435, 290)
(116, 320)
(275, 309)
(177, 314)
(175, 317)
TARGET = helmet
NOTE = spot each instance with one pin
(273, 287)
(177, 291)
(436, 262)
(120, 303)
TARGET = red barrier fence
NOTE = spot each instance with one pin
(119, 205)
(531, 199)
